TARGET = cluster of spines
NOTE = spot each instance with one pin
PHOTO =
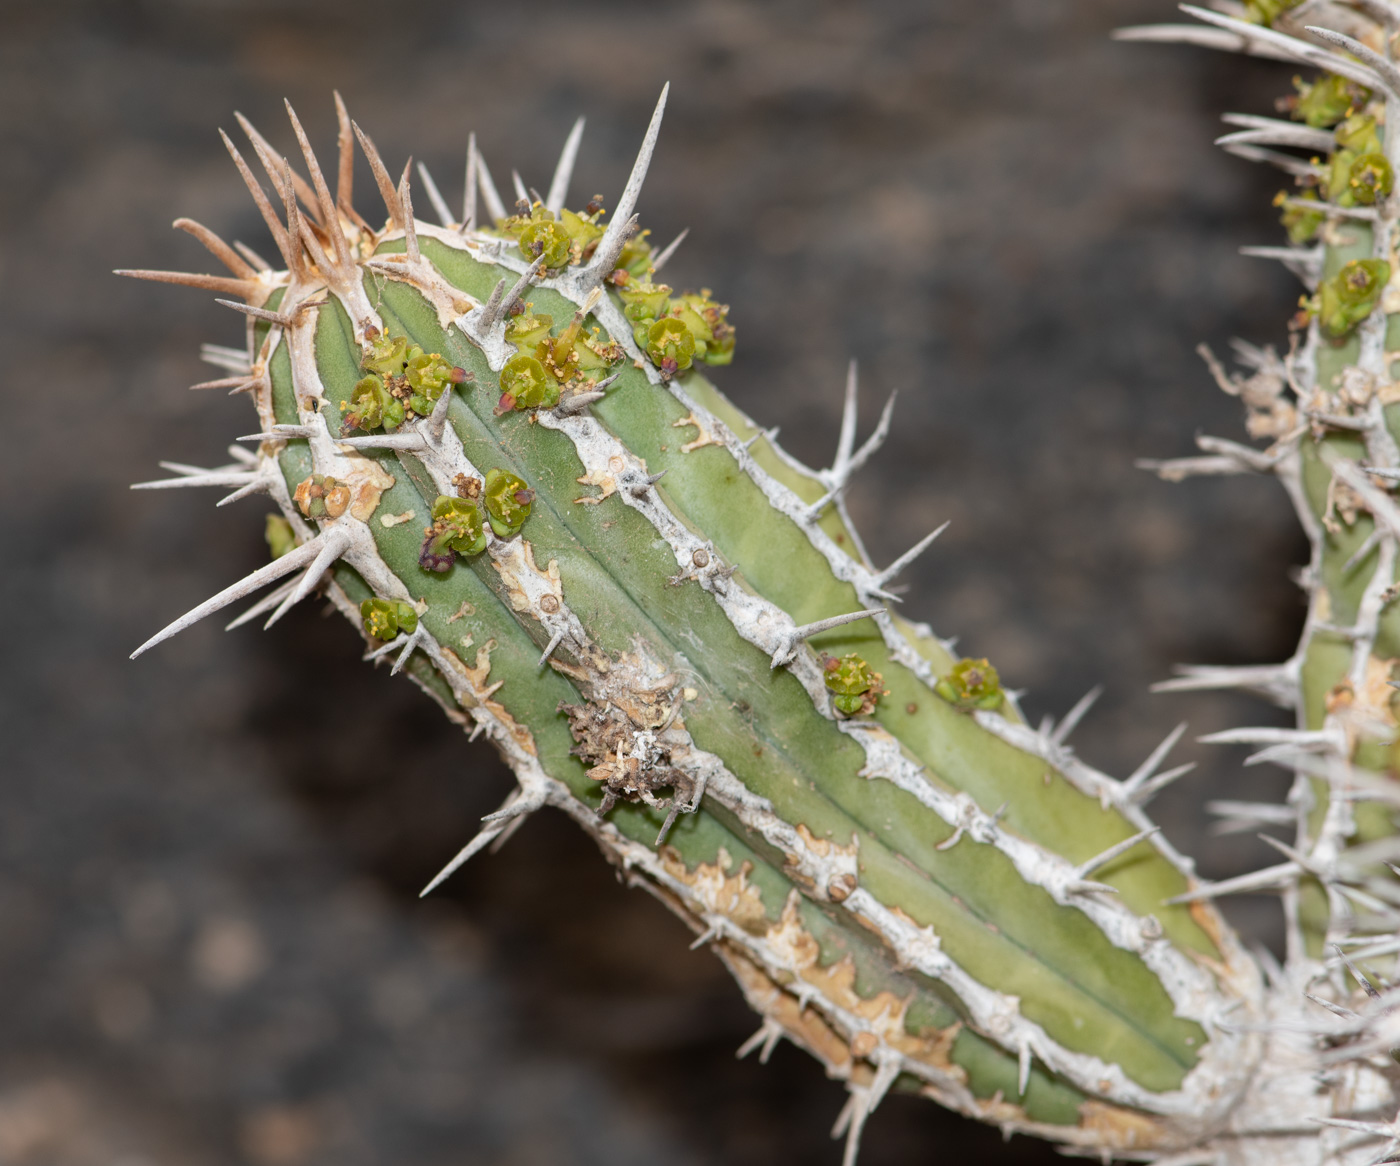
(331, 245)
(1324, 409)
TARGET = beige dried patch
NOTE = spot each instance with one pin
(705, 436)
(390, 520)
(477, 676)
(882, 1013)
(1120, 1129)
(479, 694)
(516, 565)
(367, 482)
(730, 895)
(1376, 694)
(841, 863)
(603, 480)
(803, 1026)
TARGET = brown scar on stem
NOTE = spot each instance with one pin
(705, 436)
(603, 481)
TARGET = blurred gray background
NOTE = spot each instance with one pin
(211, 951)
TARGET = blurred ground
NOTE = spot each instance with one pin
(210, 947)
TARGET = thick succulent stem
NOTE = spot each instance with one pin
(493, 448)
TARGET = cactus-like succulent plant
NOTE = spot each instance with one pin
(494, 447)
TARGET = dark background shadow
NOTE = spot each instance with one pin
(210, 945)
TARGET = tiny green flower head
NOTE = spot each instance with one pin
(548, 239)
(383, 354)
(372, 406)
(644, 300)
(386, 618)
(428, 377)
(528, 329)
(854, 687)
(972, 684)
(508, 500)
(457, 526)
(1358, 133)
(670, 345)
(1369, 178)
(528, 385)
(583, 229)
(1328, 100)
(1350, 296)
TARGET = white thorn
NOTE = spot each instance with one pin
(1264, 735)
(1023, 1068)
(578, 402)
(469, 189)
(614, 236)
(893, 570)
(1075, 715)
(1270, 878)
(282, 319)
(1385, 70)
(1084, 869)
(1240, 816)
(494, 206)
(1151, 788)
(1276, 682)
(1279, 134)
(814, 511)
(437, 419)
(233, 359)
(274, 570)
(564, 171)
(876, 439)
(554, 641)
(410, 225)
(202, 478)
(860, 1105)
(711, 933)
(408, 440)
(518, 804)
(508, 300)
(662, 259)
(334, 543)
(280, 433)
(1317, 140)
(1365, 984)
(766, 1039)
(1144, 771)
(404, 644)
(435, 197)
(1335, 1009)
(521, 194)
(791, 638)
(846, 440)
(604, 260)
(1265, 42)
(260, 486)
(486, 835)
(953, 839)
(266, 603)
(770, 434)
